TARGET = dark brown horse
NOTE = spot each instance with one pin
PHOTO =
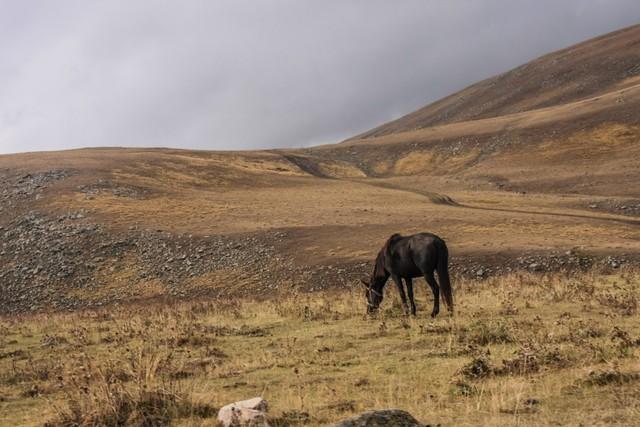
(408, 257)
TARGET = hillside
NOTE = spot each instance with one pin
(598, 66)
(540, 180)
(565, 123)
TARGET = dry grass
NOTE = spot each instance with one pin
(521, 350)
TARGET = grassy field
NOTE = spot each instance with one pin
(520, 350)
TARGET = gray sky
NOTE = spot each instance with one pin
(214, 74)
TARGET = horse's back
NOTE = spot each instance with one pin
(425, 248)
(424, 239)
(415, 240)
(414, 255)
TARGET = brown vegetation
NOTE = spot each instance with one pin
(560, 357)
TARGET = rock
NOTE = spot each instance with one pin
(382, 418)
(535, 267)
(251, 412)
(613, 262)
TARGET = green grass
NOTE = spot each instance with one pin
(521, 350)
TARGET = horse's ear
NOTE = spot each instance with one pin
(365, 282)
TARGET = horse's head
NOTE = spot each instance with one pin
(373, 294)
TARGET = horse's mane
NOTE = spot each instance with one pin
(378, 268)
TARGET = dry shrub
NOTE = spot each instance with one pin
(581, 331)
(118, 371)
(106, 403)
(191, 339)
(80, 336)
(479, 367)
(485, 332)
(532, 357)
(623, 341)
(610, 376)
(624, 301)
(103, 397)
(529, 358)
(568, 288)
(508, 308)
(28, 371)
(525, 362)
(33, 391)
(286, 309)
(244, 330)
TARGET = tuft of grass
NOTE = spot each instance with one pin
(484, 332)
(103, 398)
(479, 367)
(611, 376)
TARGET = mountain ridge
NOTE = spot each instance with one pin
(515, 99)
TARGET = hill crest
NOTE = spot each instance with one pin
(593, 67)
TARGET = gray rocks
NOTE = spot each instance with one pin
(30, 184)
(621, 207)
(251, 412)
(614, 262)
(541, 262)
(45, 258)
(15, 189)
(382, 418)
(119, 190)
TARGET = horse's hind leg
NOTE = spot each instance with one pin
(436, 292)
(409, 282)
(403, 297)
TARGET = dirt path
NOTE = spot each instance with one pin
(443, 199)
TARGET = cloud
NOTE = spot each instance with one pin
(258, 74)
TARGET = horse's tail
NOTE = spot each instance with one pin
(443, 275)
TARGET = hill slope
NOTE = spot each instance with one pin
(568, 122)
(600, 65)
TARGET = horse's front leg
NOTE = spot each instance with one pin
(403, 297)
(410, 293)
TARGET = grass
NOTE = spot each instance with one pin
(521, 350)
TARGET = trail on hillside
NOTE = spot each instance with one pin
(443, 199)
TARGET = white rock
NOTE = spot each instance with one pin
(251, 412)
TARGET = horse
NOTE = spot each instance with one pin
(408, 257)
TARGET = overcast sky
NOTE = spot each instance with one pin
(236, 74)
